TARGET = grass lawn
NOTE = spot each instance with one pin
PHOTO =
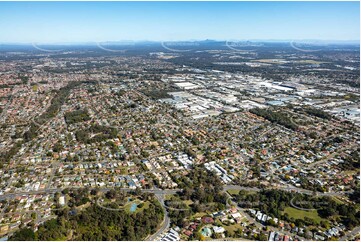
(145, 206)
(188, 202)
(301, 214)
(168, 196)
(338, 201)
(233, 191)
(64, 238)
(124, 171)
(81, 207)
(232, 227)
(198, 215)
(236, 191)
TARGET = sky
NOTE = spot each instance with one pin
(69, 22)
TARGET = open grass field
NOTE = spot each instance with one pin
(311, 62)
(301, 214)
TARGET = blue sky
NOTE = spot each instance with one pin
(52, 22)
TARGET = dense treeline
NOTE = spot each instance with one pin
(96, 223)
(318, 113)
(355, 196)
(57, 102)
(76, 116)
(351, 161)
(24, 235)
(273, 203)
(6, 156)
(31, 133)
(202, 186)
(204, 189)
(24, 79)
(275, 117)
(102, 133)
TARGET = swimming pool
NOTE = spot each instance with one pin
(133, 207)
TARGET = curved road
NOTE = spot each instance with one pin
(165, 223)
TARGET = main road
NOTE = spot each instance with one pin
(169, 191)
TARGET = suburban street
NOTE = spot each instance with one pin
(350, 235)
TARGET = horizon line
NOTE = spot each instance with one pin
(355, 41)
